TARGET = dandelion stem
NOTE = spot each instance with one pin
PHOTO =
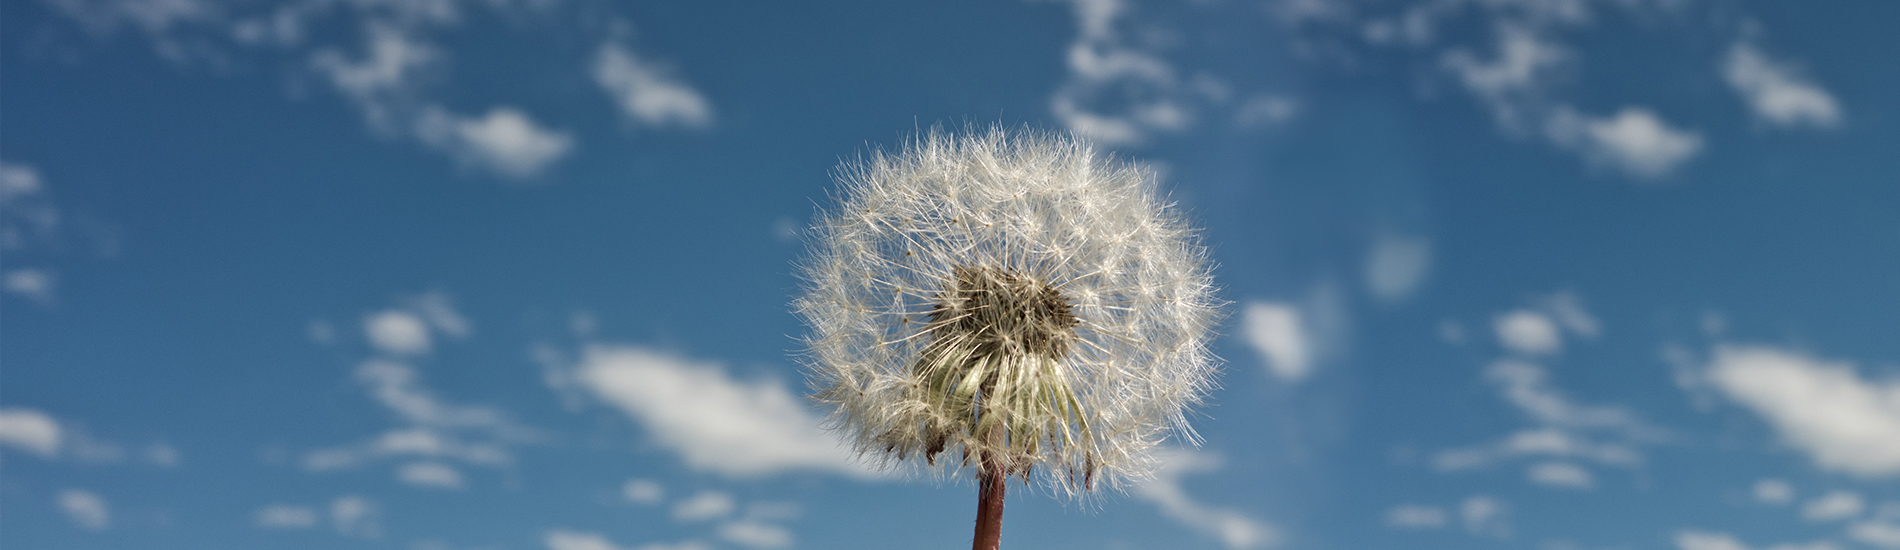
(989, 506)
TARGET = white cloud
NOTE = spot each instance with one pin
(285, 516)
(1415, 516)
(755, 534)
(1512, 84)
(714, 422)
(575, 540)
(85, 509)
(1834, 506)
(1560, 474)
(704, 506)
(1486, 516)
(1396, 265)
(356, 516)
(1265, 110)
(643, 491)
(649, 93)
(1118, 93)
(383, 82)
(505, 141)
(1776, 92)
(163, 455)
(1234, 529)
(1880, 533)
(30, 430)
(1824, 408)
(1634, 141)
(430, 474)
(36, 284)
(1276, 332)
(1702, 540)
(1774, 491)
(571, 540)
(1527, 386)
(28, 217)
(431, 428)
(1528, 332)
(397, 332)
(1706, 540)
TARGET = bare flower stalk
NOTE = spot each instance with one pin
(1012, 298)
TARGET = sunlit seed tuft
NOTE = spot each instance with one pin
(1007, 296)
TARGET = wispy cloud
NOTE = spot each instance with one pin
(714, 422)
(1292, 338)
(562, 539)
(85, 508)
(1565, 435)
(1106, 68)
(649, 93)
(1777, 92)
(1233, 528)
(286, 516)
(505, 141)
(29, 430)
(1396, 265)
(1415, 516)
(1844, 422)
(432, 434)
(395, 72)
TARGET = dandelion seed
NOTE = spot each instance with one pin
(1011, 302)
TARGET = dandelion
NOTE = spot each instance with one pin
(1011, 302)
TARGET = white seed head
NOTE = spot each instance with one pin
(1013, 298)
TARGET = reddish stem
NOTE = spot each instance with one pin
(989, 507)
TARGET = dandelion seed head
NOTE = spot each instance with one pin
(1008, 296)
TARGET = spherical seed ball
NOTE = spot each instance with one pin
(1007, 295)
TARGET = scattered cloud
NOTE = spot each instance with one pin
(1562, 475)
(1396, 264)
(1635, 140)
(1234, 529)
(36, 284)
(1834, 506)
(1486, 516)
(85, 509)
(356, 516)
(1293, 338)
(397, 332)
(29, 430)
(1266, 110)
(1275, 330)
(559, 539)
(285, 516)
(1415, 516)
(395, 72)
(1881, 533)
(430, 474)
(1709, 540)
(649, 93)
(431, 429)
(1774, 491)
(715, 423)
(505, 141)
(1702, 540)
(1844, 422)
(755, 534)
(643, 491)
(1777, 92)
(704, 506)
(1528, 332)
(1106, 68)
(1567, 436)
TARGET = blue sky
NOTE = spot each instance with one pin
(406, 274)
